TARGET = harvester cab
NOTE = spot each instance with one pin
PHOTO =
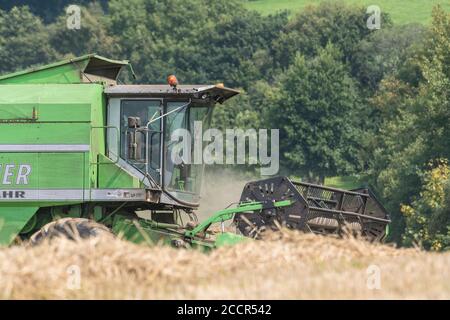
(81, 155)
(150, 125)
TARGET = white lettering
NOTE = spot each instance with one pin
(8, 173)
(264, 158)
(180, 147)
(188, 310)
(240, 136)
(213, 152)
(22, 175)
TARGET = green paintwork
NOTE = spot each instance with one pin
(152, 233)
(45, 133)
(12, 220)
(72, 112)
(229, 239)
(227, 214)
(46, 167)
(63, 72)
(58, 104)
(48, 114)
(111, 175)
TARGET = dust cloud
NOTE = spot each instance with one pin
(219, 190)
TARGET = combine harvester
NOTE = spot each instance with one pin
(81, 155)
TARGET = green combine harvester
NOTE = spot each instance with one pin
(82, 155)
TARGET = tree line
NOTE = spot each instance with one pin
(347, 100)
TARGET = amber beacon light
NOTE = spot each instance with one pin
(172, 81)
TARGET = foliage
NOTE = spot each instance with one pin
(93, 36)
(329, 22)
(428, 217)
(23, 40)
(315, 105)
(200, 41)
(415, 122)
(388, 52)
(51, 9)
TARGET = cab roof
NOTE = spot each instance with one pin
(217, 93)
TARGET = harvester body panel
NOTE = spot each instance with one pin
(46, 146)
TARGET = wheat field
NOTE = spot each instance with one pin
(287, 265)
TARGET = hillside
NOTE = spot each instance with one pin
(401, 11)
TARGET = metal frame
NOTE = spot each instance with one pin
(228, 214)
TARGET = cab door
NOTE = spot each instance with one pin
(138, 124)
(138, 144)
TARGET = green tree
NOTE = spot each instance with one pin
(199, 40)
(416, 129)
(237, 47)
(315, 26)
(428, 217)
(315, 105)
(93, 36)
(24, 40)
(388, 52)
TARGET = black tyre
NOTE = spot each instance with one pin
(70, 228)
